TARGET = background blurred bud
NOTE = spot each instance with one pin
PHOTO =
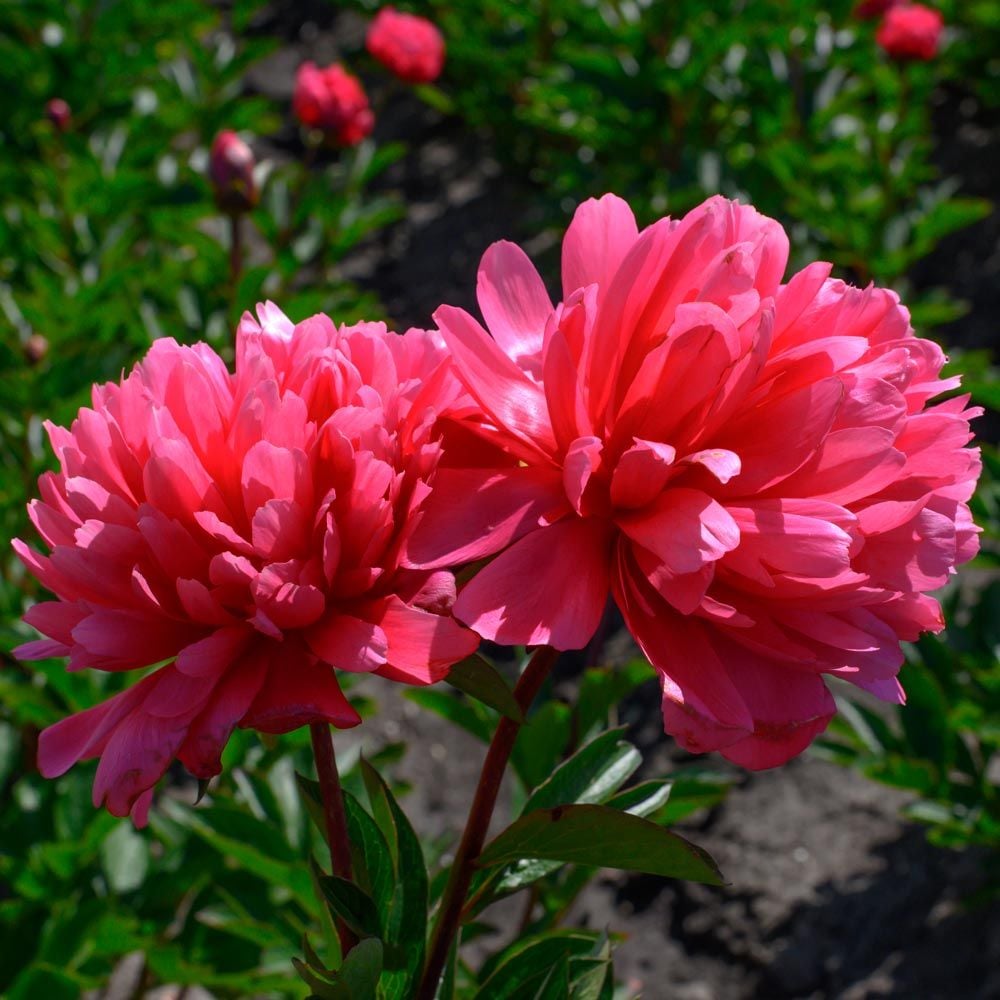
(912, 31)
(57, 111)
(230, 167)
(35, 349)
(333, 101)
(408, 46)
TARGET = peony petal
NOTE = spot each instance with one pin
(641, 473)
(472, 513)
(208, 734)
(513, 300)
(298, 694)
(506, 394)
(601, 233)
(348, 643)
(422, 645)
(683, 527)
(582, 460)
(549, 588)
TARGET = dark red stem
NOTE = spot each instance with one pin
(333, 813)
(477, 826)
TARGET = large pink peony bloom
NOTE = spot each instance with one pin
(749, 467)
(247, 529)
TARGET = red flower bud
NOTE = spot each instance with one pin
(57, 111)
(230, 168)
(333, 101)
(408, 46)
(912, 31)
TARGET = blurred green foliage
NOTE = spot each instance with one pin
(790, 105)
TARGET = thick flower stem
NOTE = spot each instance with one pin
(333, 812)
(477, 825)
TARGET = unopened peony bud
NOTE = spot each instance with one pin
(408, 46)
(35, 348)
(230, 168)
(57, 111)
(912, 31)
(334, 102)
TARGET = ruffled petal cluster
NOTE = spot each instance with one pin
(243, 530)
(752, 469)
(333, 101)
(910, 31)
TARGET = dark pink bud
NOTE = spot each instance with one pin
(230, 168)
(35, 348)
(408, 46)
(333, 101)
(911, 32)
(57, 111)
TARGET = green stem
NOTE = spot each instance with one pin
(477, 825)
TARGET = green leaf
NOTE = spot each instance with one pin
(470, 716)
(525, 966)
(371, 858)
(406, 920)
(604, 837)
(10, 751)
(925, 721)
(40, 981)
(693, 789)
(478, 678)
(352, 904)
(556, 983)
(602, 688)
(592, 774)
(125, 858)
(644, 798)
(254, 845)
(362, 968)
(541, 742)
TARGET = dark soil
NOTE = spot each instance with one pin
(830, 894)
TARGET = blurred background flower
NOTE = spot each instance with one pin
(409, 47)
(334, 102)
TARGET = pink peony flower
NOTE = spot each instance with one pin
(333, 101)
(57, 111)
(230, 168)
(246, 529)
(750, 467)
(410, 47)
(910, 31)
